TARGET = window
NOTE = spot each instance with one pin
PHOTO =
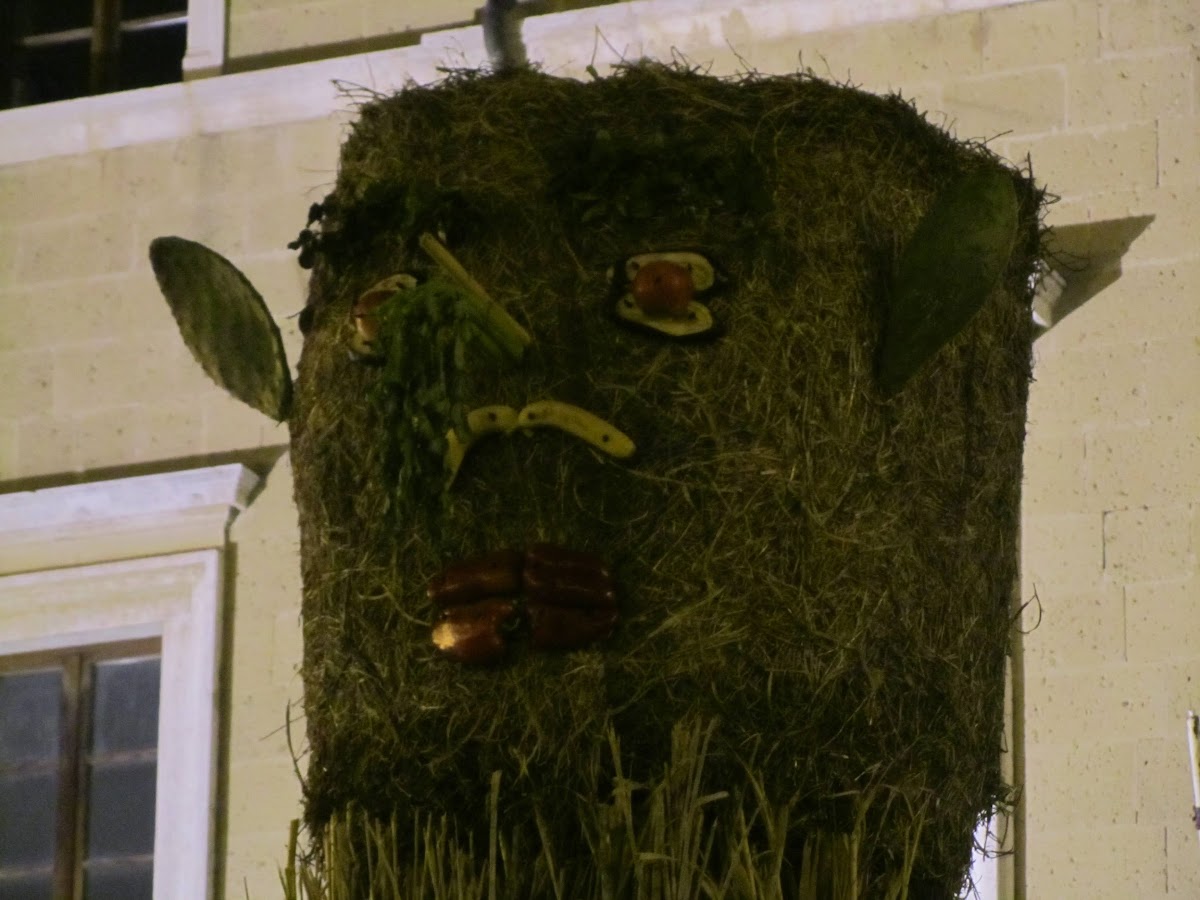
(107, 641)
(173, 602)
(78, 762)
(74, 48)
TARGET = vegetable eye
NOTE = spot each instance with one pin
(656, 292)
(365, 341)
(663, 288)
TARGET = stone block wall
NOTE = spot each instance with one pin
(1103, 96)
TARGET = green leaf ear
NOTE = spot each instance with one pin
(947, 271)
(225, 323)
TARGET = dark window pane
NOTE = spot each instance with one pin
(137, 9)
(27, 815)
(57, 72)
(29, 716)
(118, 881)
(28, 887)
(121, 809)
(125, 711)
(48, 16)
(152, 56)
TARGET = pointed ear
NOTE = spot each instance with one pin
(225, 323)
(959, 251)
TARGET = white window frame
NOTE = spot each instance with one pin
(173, 596)
(206, 43)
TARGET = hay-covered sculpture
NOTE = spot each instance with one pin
(762, 652)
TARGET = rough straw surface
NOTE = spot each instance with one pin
(825, 572)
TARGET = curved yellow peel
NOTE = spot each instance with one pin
(577, 422)
(697, 321)
(481, 422)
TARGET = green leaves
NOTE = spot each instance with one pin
(432, 337)
(954, 260)
(225, 323)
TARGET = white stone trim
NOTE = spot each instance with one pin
(205, 54)
(654, 27)
(129, 517)
(178, 599)
(565, 42)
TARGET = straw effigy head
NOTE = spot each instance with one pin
(820, 566)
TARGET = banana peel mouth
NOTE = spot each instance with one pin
(578, 422)
(497, 419)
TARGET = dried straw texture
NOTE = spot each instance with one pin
(670, 839)
(825, 572)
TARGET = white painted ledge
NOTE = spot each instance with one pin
(121, 519)
(565, 43)
(606, 35)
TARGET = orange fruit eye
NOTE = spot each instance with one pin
(663, 288)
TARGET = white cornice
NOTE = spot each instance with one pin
(564, 43)
(121, 519)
